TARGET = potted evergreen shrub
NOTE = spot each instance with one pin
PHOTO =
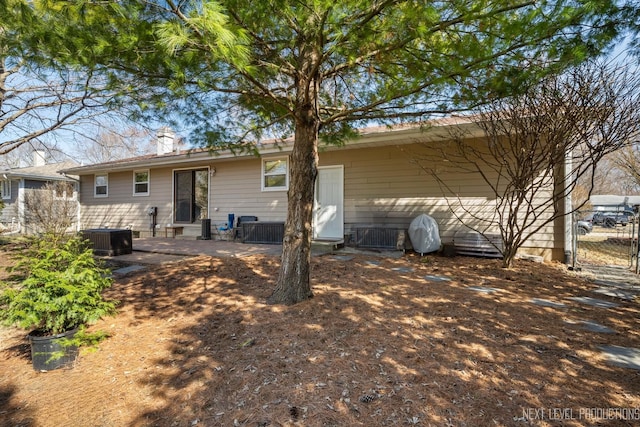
(55, 291)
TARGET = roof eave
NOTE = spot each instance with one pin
(438, 130)
(36, 177)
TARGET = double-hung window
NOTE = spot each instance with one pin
(5, 189)
(101, 185)
(141, 183)
(63, 190)
(275, 174)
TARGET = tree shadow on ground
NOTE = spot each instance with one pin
(383, 342)
(12, 413)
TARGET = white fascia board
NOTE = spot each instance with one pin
(440, 130)
(36, 177)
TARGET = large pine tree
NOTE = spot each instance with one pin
(239, 71)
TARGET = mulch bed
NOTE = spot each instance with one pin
(428, 341)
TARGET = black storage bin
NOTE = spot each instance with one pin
(239, 228)
(206, 229)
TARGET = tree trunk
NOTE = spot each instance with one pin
(508, 255)
(294, 280)
(294, 284)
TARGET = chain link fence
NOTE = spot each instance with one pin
(605, 239)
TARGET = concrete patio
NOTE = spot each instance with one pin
(160, 250)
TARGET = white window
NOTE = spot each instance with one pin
(101, 185)
(5, 189)
(63, 190)
(141, 183)
(275, 174)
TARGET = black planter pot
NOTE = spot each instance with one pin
(48, 353)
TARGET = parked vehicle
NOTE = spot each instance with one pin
(611, 219)
(583, 227)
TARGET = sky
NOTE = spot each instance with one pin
(75, 144)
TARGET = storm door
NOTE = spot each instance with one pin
(328, 206)
(191, 195)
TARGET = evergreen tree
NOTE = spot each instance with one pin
(240, 71)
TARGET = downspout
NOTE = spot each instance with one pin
(76, 196)
(22, 226)
(569, 244)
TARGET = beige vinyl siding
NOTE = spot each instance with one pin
(236, 188)
(121, 209)
(385, 187)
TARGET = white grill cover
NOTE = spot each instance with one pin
(424, 234)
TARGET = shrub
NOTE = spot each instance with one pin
(57, 286)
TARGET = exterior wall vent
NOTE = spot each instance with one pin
(379, 238)
(263, 232)
(476, 244)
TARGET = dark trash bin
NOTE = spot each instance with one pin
(206, 229)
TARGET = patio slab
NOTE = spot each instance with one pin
(625, 357)
(592, 326)
(547, 303)
(160, 250)
(595, 302)
(483, 289)
(437, 278)
(193, 247)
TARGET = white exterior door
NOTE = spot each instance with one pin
(328, 207)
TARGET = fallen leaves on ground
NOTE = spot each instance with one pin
(428, 341)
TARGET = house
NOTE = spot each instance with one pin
(614, 203)
(367, 193)
(19, 185)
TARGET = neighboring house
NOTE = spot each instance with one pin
(17, 184)
(370, 188)
(613, 203)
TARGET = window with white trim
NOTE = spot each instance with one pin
(5, 189)
(63, 190)
(141, 183)
(275, 174)
(101, 185)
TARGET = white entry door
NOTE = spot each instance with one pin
(328, 207)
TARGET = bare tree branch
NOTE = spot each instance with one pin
(52, 209)
(35, 103)
(539, 146)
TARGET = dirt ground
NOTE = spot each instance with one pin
(384, 342)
